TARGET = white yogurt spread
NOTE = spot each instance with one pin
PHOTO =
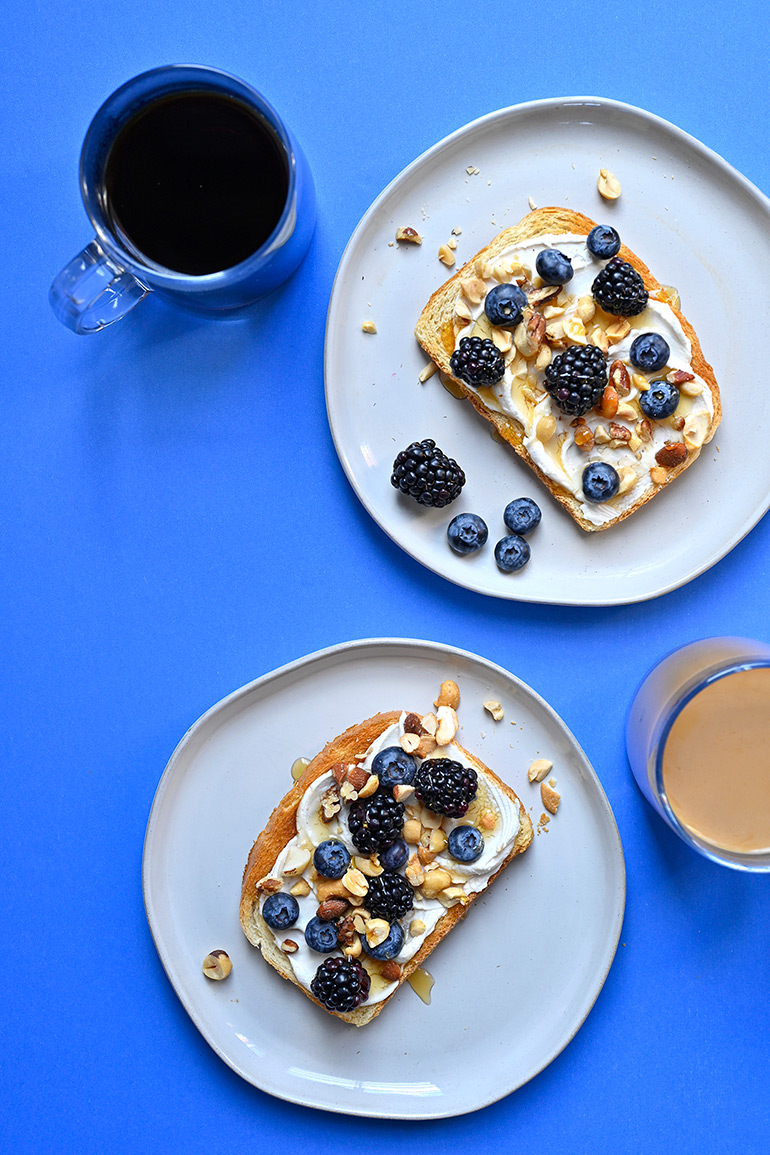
(560, 458)
(472, 877)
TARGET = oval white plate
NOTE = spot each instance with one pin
(514, 981)
(693, 219)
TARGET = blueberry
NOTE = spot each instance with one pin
(650, 352)
(600, 481)
(554, 268)
(503, 305)
(660, 400)
(603, 241)
(394, 767)
(331, 858)
(511, 553)
(466, 843)
(390, 947)
(522, 515)
(395, 856)
(280, 911)
(466, 533)
(321, 936)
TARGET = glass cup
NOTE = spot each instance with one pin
(112, 275)
(698, 741)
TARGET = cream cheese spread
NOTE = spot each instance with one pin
(520, 393)
(472, 877)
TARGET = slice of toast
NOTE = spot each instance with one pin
(647, 454)
(281, 859)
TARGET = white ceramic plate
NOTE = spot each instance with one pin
(693, 219)
(513, 983)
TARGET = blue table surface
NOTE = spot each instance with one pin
(175, 523)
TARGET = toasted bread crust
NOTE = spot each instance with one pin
(282, 827)
(435, 332)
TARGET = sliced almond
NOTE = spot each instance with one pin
(448, 725)
(445, 255)
(627, 478)
(430, 819)
(427, 371)
(370, 787)
(429, 724)
(295, 862)
(427, 745)
(367, 866)
(538, 769)
(695, 429)
(618, 329)
(474, 289)
(608, 185)
(551, 798)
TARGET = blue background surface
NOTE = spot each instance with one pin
(175, 523)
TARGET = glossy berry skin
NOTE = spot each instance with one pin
(341, 984)
(512, 553)
(424, 472)
(390, 947)
(619, 289)
(280, 911)
(576, 379)
(660, 400)
(394, 767)
(600, 481)
(321, 936)
(553, 267)
(376, 822)
(331, 858)
(465, 843)
(503, 306)
(649, 351)
(467, 533)
(395, 856)
(603, 241)
(522, 515)
(389, 896)
(446, 786)
(477, 361)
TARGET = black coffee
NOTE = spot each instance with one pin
(196, 181)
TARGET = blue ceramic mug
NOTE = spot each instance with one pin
(196, 190)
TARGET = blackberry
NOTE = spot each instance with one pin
(619, 289)
(389, 896)
(341, 984)
(424, 472)
(445, 786)
(477, 361)
(375, 823)
(577, 378)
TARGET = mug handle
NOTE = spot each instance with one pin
(92, 292)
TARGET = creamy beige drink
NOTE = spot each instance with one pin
(716, 763)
